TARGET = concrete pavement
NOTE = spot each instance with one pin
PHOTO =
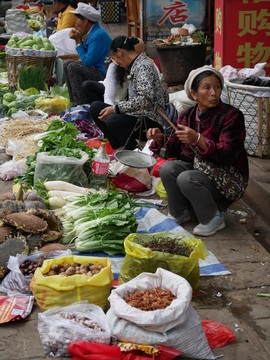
(231, 300)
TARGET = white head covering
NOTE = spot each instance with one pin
(87, 11)
(194, 73)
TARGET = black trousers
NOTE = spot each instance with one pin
(93, 91)
(120, 129)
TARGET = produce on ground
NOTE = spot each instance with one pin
(29, 266)
(34, 42)
(151, 299)
(169, 245)
(68, 269)
(57, 136)
(99, 222)
(19, 128)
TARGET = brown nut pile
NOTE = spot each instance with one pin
(29, 267)
(68, 269)
(149, 300)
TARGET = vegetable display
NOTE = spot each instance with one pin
(57, 136)
(34, 42)
(99, 222)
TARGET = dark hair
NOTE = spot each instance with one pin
(120, 75)
(124, 42)
(196, 82)
(79, 16)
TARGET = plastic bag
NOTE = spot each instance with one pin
(15, 307)
(69, 169)
(217, 334)
(142, 259)
(63, 44)
(133, 179)
(80, 118)
(17, 283)
(177, 326)
(57, 290)
(160, 190)
(52, 104)
(81, 350)
(60, 326)
(12, 168)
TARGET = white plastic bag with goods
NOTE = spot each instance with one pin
(63, 44)
(178, 326)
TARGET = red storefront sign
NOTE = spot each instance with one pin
(242, 33)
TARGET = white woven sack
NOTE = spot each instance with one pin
(16, 21)
(178, 326)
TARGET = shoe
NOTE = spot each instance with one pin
(185, 217)
(214, 225)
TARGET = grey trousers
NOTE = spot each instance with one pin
(189, 189)
(75, 74)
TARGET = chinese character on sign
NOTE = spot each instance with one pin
(252, 56)
(251, 22)
(175, 12)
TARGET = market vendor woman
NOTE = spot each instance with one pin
(92, 45)
(216, 131)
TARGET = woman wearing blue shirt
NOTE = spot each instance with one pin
(92, 52)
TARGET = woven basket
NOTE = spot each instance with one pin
(14, 63)
(69, 57)
(254, 102)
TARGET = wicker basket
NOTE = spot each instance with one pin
(69, 57)
(14, 63)
(254, 102)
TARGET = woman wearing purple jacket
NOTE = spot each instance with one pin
(217, 133)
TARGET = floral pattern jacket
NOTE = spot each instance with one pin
(145, 90)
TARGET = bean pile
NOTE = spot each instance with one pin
(149, 300)
(168, 245)
(68, 269)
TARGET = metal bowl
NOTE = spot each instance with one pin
(135, 159)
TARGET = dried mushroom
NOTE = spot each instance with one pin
(26, 222)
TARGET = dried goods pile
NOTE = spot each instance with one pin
(67, 269)
(25, 225)
(149, 300)
(168, 245)
(29, 267)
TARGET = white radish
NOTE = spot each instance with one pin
(65, 186)
(56, 203)
(62, 194)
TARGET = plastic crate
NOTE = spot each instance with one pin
(254, 102)
(110, 11)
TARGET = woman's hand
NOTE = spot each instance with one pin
(185, 134)
(75, 35)
(104, 113)
(156, 135)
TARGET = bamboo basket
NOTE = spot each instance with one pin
(69, 57)
(14, 63)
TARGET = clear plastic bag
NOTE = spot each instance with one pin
(17, 283)
(12, 168)
(69, 169)
(60, 326)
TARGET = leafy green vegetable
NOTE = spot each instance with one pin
(99, 222)
(58, 136)
(32, 76)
